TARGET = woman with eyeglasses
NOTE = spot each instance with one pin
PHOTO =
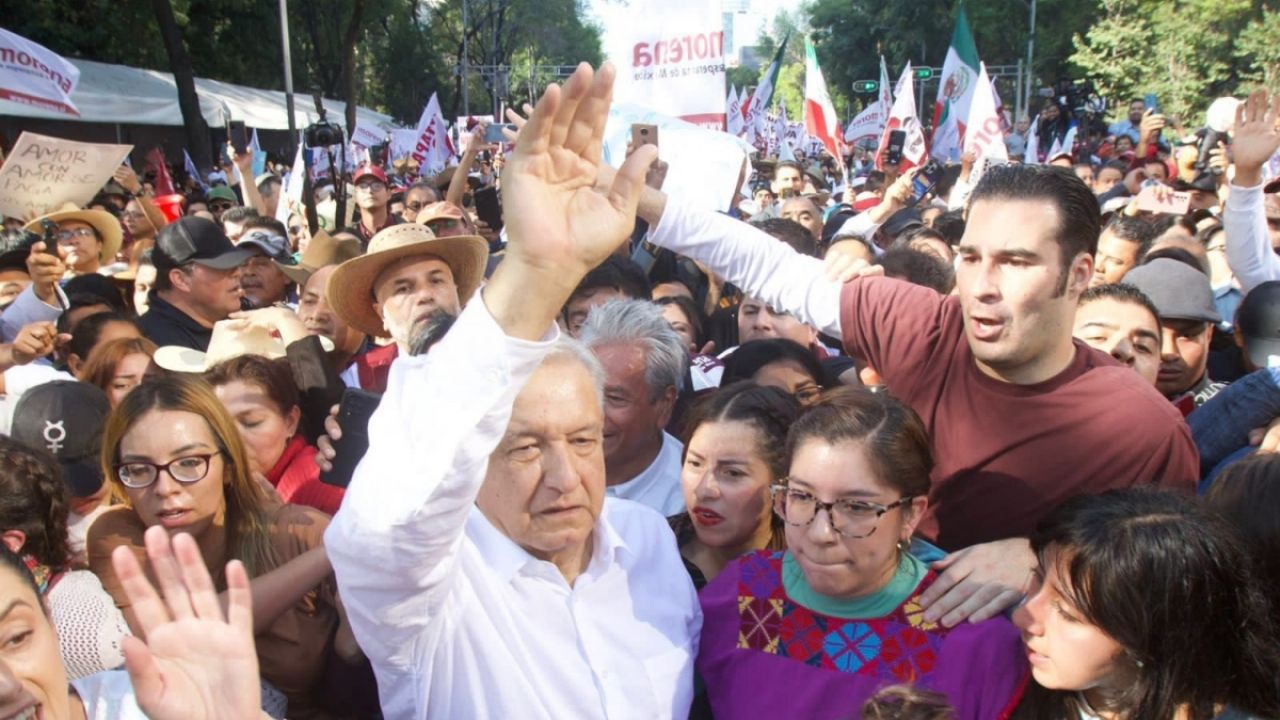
(174, 452)
(817, 629)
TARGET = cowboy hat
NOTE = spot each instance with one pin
(321, 251)
(103, 222)
(230, 338)
(350, 287)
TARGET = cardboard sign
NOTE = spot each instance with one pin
(44, 172)
(1170, 202)
(670, 57)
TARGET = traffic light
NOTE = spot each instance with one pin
(866, 86)
(922, 73)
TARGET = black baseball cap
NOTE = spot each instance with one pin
(1258, 319)
(66, 418)
(196, 240)
(901, 221)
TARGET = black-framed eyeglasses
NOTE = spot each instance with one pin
(372, 186)
(138, 474)
(853, 519)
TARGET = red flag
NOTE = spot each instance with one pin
(156, 165)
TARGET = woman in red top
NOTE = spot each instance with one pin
(259, 393)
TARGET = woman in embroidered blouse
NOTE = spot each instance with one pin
(816, 630)
(1147, 607)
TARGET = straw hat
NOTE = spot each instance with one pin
(350, 287)
(104, 222)
(231, 338)
(321, 251)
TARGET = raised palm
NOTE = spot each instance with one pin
(1256, 137)
(194, 664)
(555, 216)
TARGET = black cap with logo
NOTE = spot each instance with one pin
(196, 240)
(66, 419)
(1258, 320)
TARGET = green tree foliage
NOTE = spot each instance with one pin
(1186, 53)
(403, 49)
(850, 36)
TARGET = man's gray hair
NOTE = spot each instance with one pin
(640, 322)
(567, 348)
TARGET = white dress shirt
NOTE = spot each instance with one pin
(459, 621)
(657, 486)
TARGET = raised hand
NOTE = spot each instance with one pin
(128, 179)
(195, 664)
(34, 341)
(1256, 137)
(556, 219)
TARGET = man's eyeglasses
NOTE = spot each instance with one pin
(853, 519)
(444, 224)
(372, 186)
(69, 235)
(188, 469)
(414, 206)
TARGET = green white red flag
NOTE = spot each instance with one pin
(955, 91)
(820, 119)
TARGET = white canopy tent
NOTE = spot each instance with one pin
(118, 94)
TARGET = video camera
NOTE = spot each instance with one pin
(1078, 96)
(321, 136)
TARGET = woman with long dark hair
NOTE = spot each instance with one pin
(1146, 608)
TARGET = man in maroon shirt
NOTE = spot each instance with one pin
(1021, 416)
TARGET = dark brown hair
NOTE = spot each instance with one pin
(1247, 494)
(1173, 585)
(767, 409)
(273, 376)
(896, 442)
(33, 500)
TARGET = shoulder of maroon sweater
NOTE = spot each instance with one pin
(1124, 394)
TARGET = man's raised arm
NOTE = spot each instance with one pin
(395, 541)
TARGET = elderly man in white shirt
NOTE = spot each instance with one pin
(483, 570)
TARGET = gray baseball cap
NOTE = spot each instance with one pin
(1179, 291)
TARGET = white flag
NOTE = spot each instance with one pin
(292, 188)
(984, 136)
(733, 112)
(34, 75)
(903, 117)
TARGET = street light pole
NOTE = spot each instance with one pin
(288, 70)
(466, 105)
(1031, 52)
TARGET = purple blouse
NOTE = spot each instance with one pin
(763, 655)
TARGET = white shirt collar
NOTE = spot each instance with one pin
(507, 559)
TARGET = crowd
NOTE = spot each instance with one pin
(1001, 446)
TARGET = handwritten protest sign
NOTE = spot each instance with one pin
(43, 172)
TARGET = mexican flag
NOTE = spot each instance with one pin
(820, 119)
(733, 112)
(957, 85)
(763, 94)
